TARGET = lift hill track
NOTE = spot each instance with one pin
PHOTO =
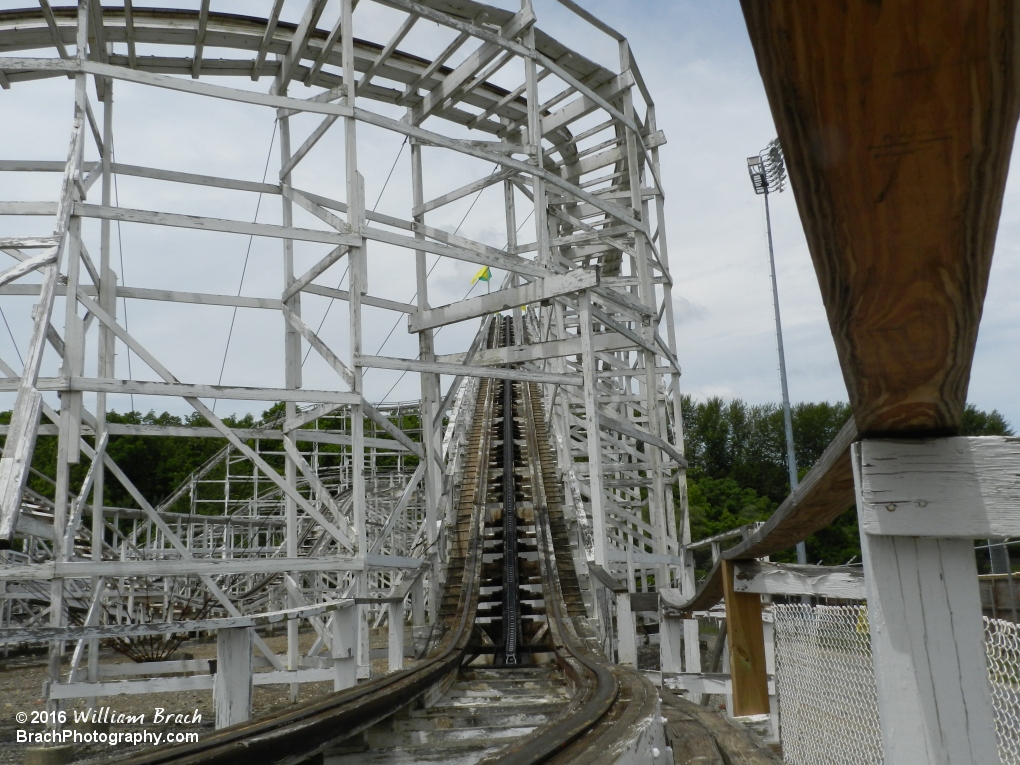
(559, 701)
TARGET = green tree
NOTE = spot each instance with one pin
(737, 470)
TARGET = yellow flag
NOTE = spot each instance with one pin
(482, 276)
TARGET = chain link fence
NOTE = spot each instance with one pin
(1002, 646)
(825, 680)
(828, 710)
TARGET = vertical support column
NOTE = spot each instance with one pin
(70, 415)
(745, 639)
(535, 140)
(292, 375)
(430, 415)
(418, 602)
(591, 416)
(670, 641)
(232, 686)
(692, 645)
(396, 634)
(626, 631)
(511, 243)
(924, 612)
(343, 627)
(358, 281)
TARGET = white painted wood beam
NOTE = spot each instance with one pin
(942, 487)
(129, 32)
(464, 191)
(106, 631)
(431, 69)
(501, 300)
(413, 365)
(203, 25)
(482, 256)
(378, 302)
(28, 265)
(550, 349)
(265, 434)
(153, 388)
(308, 145)
(325, 52)
(232, 684)
(196, 87)
(924, 606)
(783, 579)
(316, 270)
(292, 59)
(51, 22)
(489, 50)
(388, 49)
(267, 39)
(321, 348)
(129, 215)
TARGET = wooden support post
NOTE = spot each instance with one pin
(591, 419)
(396, 636)
(746, 640)
(344, 629)
(692, 645)
(358, 288)
(670, 641)
(292, 377)
(692, 653)
(418, 601)
(924, 606)
(626, 631)
(233, 683)
(430, 393)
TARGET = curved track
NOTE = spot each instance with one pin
(609, 706)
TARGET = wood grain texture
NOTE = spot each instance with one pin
(745, 639)
(897, 121)
(924, 612)
(941, 487)
(783, 579)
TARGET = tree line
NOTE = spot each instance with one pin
(737, 471)
(736, 454)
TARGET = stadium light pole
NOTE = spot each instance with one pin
(768, 176)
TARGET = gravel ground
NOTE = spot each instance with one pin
(21, 683)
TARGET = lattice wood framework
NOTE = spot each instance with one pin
(575, 149)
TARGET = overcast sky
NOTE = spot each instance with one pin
(698, 63)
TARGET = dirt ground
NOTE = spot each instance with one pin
(21, 684)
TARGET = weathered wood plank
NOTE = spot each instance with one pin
(924, 609)
(413, 365)
(943, 487)
(102, 632)
(201, 223)
(501, 300)
(232, 684)
(783, 579)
